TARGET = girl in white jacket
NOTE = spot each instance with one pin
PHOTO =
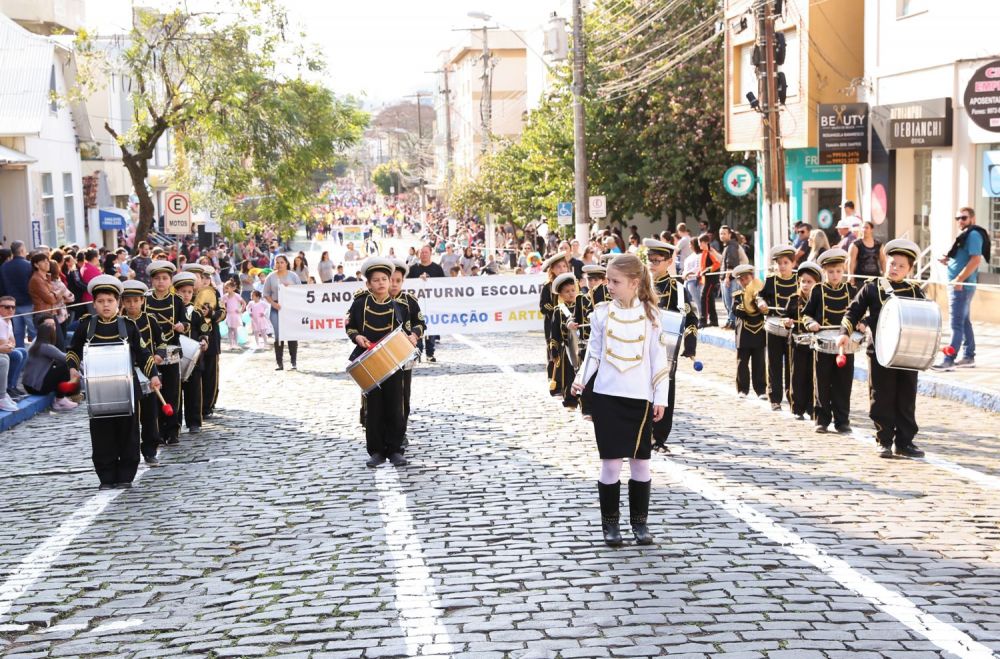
(627, 368)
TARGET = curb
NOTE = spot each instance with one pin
(927, 385)
(26, 409)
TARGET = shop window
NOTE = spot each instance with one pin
(988, 207)
(922, 198)
(48, 211)
(69, 210)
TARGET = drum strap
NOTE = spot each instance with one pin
(92, 328)
(886, 286)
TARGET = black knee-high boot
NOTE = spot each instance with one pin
(279, 354)
(638, 510)
(609, 496)
(293, 351)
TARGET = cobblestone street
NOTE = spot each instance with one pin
(267, 536)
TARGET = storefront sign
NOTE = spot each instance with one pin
(920, 124)
(738, 180)
(982, 97)
(843, 134)
(113, 219)
(451, 305)
(991, 173)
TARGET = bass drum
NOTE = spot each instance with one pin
(190, 351)
(908, 333)
(107, 379)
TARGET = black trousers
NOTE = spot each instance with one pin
(801, 387)
(115, 448)
(194, 398)
(709, 315)
(750, 369)
(778, 368)
(407, 386)
(170, 377)
(893, 396)
(384, 420)
(662, 428)
(832, 400)
(149, 422)
(210, 382)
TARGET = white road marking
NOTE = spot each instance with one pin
(942, 634)
(417, 603)
(116, 626)
(986, 480)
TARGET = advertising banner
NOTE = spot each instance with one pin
(451, 305)
(843, 134)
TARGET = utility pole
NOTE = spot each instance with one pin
(486, 102)
(582, 201)
(448, 148)
(774, 222)
(420, 146)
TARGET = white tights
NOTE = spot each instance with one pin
(611, 470)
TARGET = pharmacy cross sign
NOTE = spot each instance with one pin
(738, 180)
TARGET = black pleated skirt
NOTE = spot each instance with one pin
(623, 426)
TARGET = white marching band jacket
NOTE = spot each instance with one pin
(626, 353)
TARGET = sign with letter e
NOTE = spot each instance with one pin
(177, 214)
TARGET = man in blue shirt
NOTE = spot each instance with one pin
(15, 274)
(963, 262)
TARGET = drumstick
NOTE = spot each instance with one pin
(168, 409)
(841, 359)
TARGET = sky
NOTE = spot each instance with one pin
(378, 50)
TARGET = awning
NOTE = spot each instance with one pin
(10, 156)
(113, 219)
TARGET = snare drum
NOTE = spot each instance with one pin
(173, 355)
(671, 331)
(825, 341)
(190, 351)
(775, 325)
(107, 379)
(144, 385)
(802, 340)
(908, 333)
(375, 365)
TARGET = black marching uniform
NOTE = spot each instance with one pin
(114, 440)
(800, 384)
(668, 299)
(418, 326)
(750, 346)
(832, 399)
(585, 305)
(149, 405)
(546, 305)
(167, 312)
(892, 392)
(776, 293)
(211, 317)
(563, 371)
(385, 423)
(599, 294)
(193, 399)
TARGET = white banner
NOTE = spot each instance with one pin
(451, 305)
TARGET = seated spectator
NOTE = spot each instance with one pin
(46, 366)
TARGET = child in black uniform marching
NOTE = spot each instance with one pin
(114, 439)
(563, 327)
(626, 365)
(208, 303)
(553, 266)
(800, 386)
(892, 391)
(133, 308)
(825, 310)
(669, 291)
(192, 400)
(371, 318)
(167, 310)
(417, 328)
(750, 341)
(597, 292)
(779, 288)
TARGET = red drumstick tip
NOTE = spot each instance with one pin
(168, 409)
(948, 351)
(841, 361)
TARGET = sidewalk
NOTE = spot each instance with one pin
(27, 408)
(979, 386)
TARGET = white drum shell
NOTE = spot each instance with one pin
(776, 325)
(190, 353)
(107, 379)
(825, 341)
(908, 333)
(671, 331)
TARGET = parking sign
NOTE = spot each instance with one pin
(177, 214)
(564, 211)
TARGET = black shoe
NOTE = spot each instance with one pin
(844, 428)
(123, 486)
(909, 451)
(106, 486)
(172, 441)
(775, 407)
(151, 460)
(638, 510)
(208, 415)
(609, 496)
(279, 368)
(885, 452)
(194, 430)
(375, 460)
(398, 460)
(293, 368)
(820, 428)
(800, 417)
(432, 360)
